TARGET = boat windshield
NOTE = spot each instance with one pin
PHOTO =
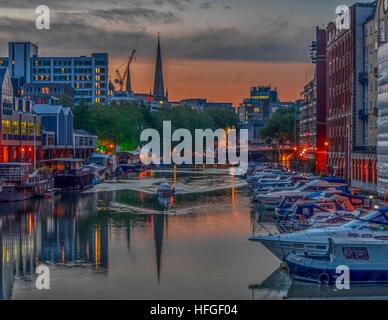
(375, 220)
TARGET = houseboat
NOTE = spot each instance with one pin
(19, 181)
(69, 174)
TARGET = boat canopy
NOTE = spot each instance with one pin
(379, 216)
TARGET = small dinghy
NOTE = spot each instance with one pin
(166, 190)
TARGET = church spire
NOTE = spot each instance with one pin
(158, 81)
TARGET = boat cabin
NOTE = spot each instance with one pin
(15, 170)
(64, 164)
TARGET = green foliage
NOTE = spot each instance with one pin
(280, 127)
(121, 124)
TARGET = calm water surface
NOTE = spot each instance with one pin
(96, 247)
(109, 246)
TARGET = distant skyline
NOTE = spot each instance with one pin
(211, 49)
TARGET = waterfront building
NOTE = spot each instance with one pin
(346, 125)
(364, 157)
(60, 140)
(87, 75)
(297, 106)
(256, 110)
(312, 122)
(20, 133)
(381, 31)
(308, 123)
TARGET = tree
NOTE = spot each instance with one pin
(122, 123)
(280, 127)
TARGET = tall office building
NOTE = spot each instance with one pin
(256, 110)
(88, 75)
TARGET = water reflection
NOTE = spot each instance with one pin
(65, 232)
(279, 285)
(124, 244)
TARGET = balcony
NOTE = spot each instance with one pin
(363, 78)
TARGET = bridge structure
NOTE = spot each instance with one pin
(266, 153)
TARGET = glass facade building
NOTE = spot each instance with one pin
(87, 75)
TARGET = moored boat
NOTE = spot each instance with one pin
(272, 200)
(366, 260)
(20, 182)
(69, 174)
(314, 241)
(166, 190)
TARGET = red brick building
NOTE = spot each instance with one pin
(346, 125)
(339, 99)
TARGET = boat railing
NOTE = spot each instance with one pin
(76, 172)
(20, 177)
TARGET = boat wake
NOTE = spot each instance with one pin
(118, 207)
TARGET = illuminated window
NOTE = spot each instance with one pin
(98, 70)
(23, 127)
(15, 127)
(30, 128)
(6, 126)
(98, 100)
(98, 78)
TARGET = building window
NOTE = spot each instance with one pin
(6, 126)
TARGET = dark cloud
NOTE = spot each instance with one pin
(128, 15)
(233, 44)
(180, 5)
(205, 5)
(273, 43)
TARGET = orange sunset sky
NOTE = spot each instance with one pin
(221, 81)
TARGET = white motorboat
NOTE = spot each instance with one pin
(272, 200)
(314, 241)
(365, 259)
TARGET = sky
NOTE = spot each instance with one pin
(211, 49)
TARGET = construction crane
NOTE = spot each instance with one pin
(124, 79)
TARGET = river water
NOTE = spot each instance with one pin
(125, 244)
